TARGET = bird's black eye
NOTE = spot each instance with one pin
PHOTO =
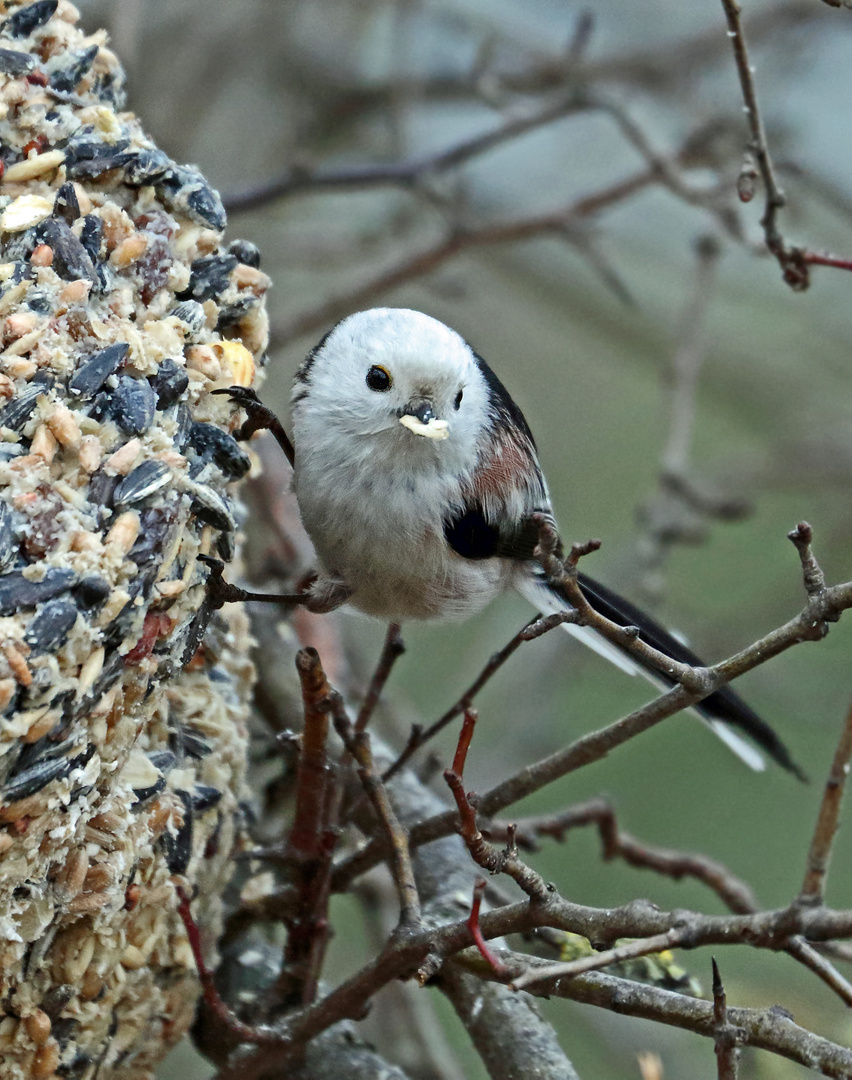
(458, 401)
(379, 379)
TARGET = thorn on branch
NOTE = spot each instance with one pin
(724, 1034)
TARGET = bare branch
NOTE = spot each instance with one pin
(766, 1029)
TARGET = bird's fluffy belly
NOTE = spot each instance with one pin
(397, 565)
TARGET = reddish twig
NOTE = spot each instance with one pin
(482, 852)
(310, 844)
(222, 1012)
(476, 933)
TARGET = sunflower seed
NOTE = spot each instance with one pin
(170, 381)
(17, 593)
(247, 252)
(91, 592)
(145, 166)
(35, 778)
(211, 508)
(97, 368)
(178, 848)
(20, 408)
(26, 19)
(15, 63)
(213, 444)
(209, 276)
(185, 189)
(91, 236)
(70, 259)
(195, 745)
(142, 482)
(88, 156)
(67, 79)
(233, 313)
(204, 797)
(66, 204)
(51, 626)
(7, 535)
(191, 314)
(133, 405)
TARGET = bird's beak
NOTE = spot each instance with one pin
(419, 418)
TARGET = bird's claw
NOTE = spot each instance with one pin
(219, 591)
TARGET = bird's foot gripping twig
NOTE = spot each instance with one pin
(221, 592)
(258, 418)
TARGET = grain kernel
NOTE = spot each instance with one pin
(37, 1026)
(42, 255)
(63, 424)
(122, 461)
(129, 250)
(45, 1061)
(44, 444)
(90, 453)
(122, 536)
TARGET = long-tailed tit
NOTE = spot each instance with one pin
(419, 484)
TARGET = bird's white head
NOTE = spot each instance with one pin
(400, 375)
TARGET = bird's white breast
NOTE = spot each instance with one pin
(374, 507)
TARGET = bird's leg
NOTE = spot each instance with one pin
(221, 592)
(258, 418)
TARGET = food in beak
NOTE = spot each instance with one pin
(435, 429)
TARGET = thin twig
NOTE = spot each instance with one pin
(357, 744)
(808, 625)
(570, 968)
(391, 652)
(310, 845)
(410, 173)
(222, 1012)
(476, 933)
(802, 537)
(618, 844)
(419, 736)
(819, 853)
(482, 852)
(794, 261)
(806, 954)
(769, 1029)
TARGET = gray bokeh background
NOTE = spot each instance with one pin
(245, 88)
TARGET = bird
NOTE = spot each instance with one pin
(418, 481)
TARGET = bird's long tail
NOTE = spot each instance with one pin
(721, 711)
